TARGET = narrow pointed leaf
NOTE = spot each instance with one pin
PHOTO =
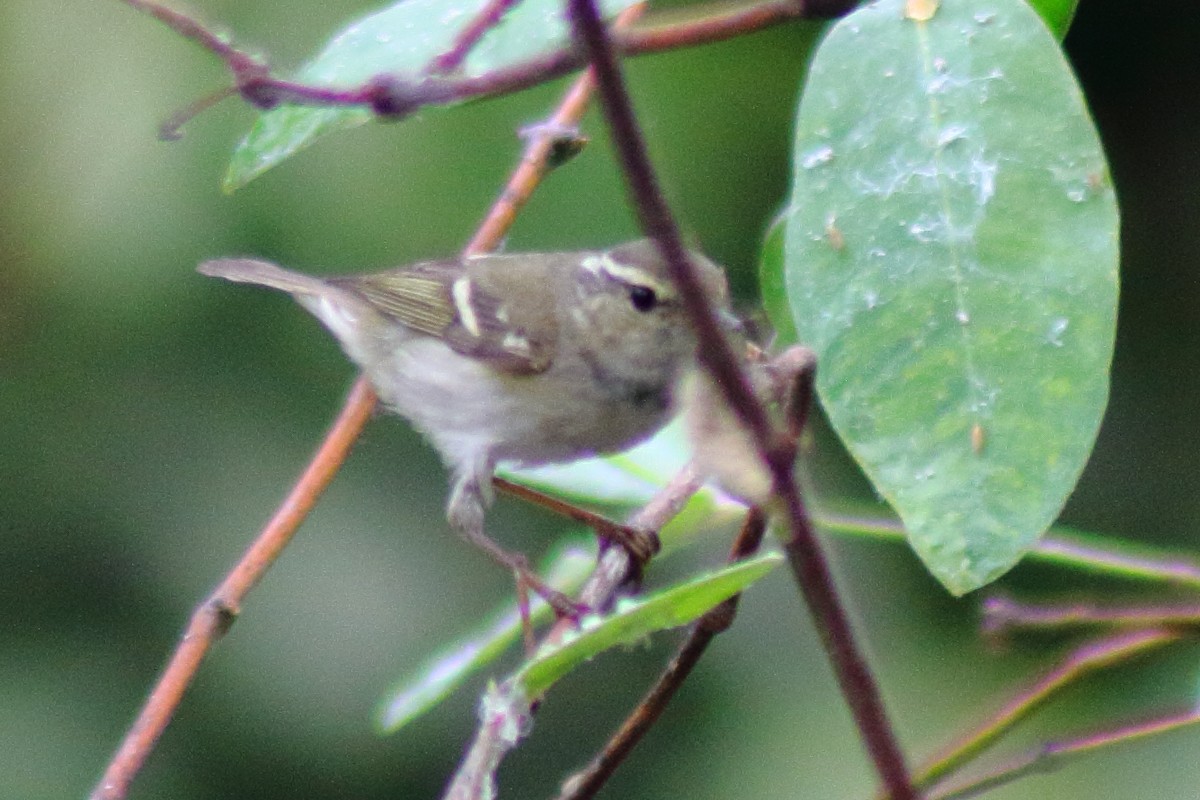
(634, 620)
(1057, 14)
(951, 255)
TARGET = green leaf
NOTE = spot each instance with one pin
(1057, 14)
(446, 671)
(628, 481)
(771, 284)
(633, 620)
(951, 255)
(400, 40)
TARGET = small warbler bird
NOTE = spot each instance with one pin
(527, 358)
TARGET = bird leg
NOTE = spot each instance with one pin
(641, 545)
(465, 511)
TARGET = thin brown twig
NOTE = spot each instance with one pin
(504, 724)
(588, 781)
(1003, 615)
(1061, 546)
(214, 616)
(641, 545)
(397, 96)
(1050, 756)
(616, 566)
(536, 160)
(1118, 558)
(469, 36)
(792, 374)
(1088, 658)
(237, 61)
(716, 356)
(171, 130)
(851, 669)
(723, 24)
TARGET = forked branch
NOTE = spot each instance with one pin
(395, 96)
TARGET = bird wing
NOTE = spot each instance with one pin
(440, 299)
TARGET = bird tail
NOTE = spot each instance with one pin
(264, 273)
(344, 314)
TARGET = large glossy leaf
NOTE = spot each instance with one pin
(951, 255)
(1057, 14)
(400, 40)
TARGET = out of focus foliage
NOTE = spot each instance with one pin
(151, 420)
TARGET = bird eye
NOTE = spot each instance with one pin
(643, 297)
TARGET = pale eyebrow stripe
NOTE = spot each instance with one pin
(461, 292)
(626, 274)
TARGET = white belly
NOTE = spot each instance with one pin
(468, 410)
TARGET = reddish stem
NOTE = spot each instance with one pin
(470, 35)
(398, 96)
(213, 617)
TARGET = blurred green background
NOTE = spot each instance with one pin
(152, 419)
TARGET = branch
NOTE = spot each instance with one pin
(1051, 755)
(239, 63)
(214, 616)
(469, 36)
(1003, 615)
(1084, 660)
(1061, 546)
(587, 782)
(716, 356)
(505, 719)
(395, 96)
(641, 545)
(1118, 559)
